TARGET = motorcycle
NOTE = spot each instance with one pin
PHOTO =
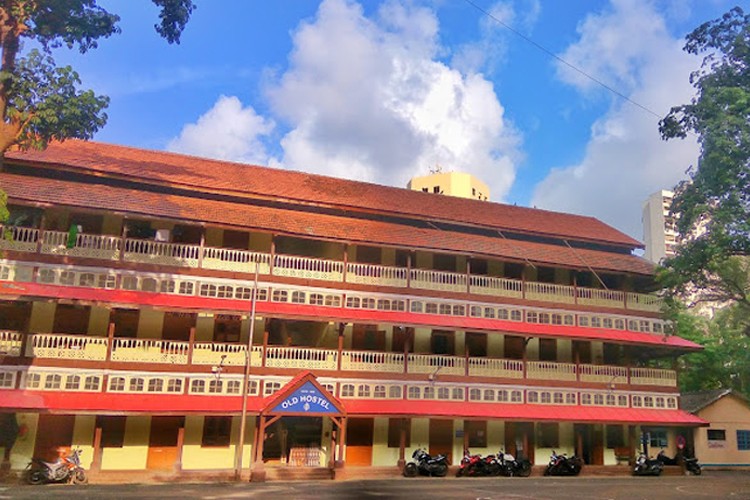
(561, 465)
(511, 466)
(691, 463)
(474, 465)
(426, 465)
(645, 466)
(63, 470)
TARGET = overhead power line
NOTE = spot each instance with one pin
(561, 60)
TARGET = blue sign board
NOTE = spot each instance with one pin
(306, 399)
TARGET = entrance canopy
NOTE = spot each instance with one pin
(303, 396)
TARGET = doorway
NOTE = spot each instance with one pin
(589, 443)
(54, 436)
(359, 437)
(163, 450)
(441, 438)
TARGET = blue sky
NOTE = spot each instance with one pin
(385, 90)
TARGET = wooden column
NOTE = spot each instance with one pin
(468, 274)
(408, 337)
(180, 444)
(265, 345)
(402, 443)
(201, 247)
(631, 442)
(408, 270)
(340, 346)
(346, 260)
(258, 473)
(96, 460)
(191, 345)
(341, 444)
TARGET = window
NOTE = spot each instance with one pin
(149, 285)
(215, 386)
(155, 385)
(516, 397)
(216, 431)
(174, 385)
(113, 431)
(549, 435)
(489, 395)
(52, 381)
(716, 434)
(186, 288)
(657, 438)
(136, 385)
(476, 431)
(394, 432)
(615, 436)
(198, 386)
(87, 279)
(233, 387)
(117, 384)
(379, 391)
(475, 394)
(72, 383)
(743, 440)
(347, 391)
(394, 392)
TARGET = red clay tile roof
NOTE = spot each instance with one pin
(248, 180)
(307, 224)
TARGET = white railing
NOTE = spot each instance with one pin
(496, 367)
(10, 343)
(230, 259)
(93, 246)
(372, 361)
(220, 354)
(436, 364)
(150, 351)
(600, 297)
(308, 268)
(498, 287)
(603, 373)
(429, 279)
(653, 376)
(20, 239)
(83, 347)
(158, 252)
(301, 357)
(550, 292)
(549, 370)
(643, 302)
(372, 274)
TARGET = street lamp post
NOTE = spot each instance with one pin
(245, 382)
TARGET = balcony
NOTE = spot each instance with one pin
(182, 353)
(113, 248)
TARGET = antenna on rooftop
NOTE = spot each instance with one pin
(437, 169)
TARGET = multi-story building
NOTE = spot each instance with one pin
(142, 293)
(458, 184)
(659, 233)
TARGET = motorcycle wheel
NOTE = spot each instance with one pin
(80, 477)
(695, 470)
(524, 470)
(547, 471)
(440, 470)
(35, 477)
(410, 470)
(460, 472)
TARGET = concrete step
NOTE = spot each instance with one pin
(284, 473)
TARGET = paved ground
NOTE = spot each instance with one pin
(711, 485)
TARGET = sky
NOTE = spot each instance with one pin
(381, 91)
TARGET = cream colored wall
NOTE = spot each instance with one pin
(567, 444)
(196, 457)
(112, 225)
(150, 323)
(134, 452)
(564, 350)
(495, 268)
(422, 260)
(420, 434)
(83, 438)
(730, 414)
(495, 345)
(23, 449)
(382, 455)
(214, 236)
(460, 346)
(260, 242)
(204, 327)
(388, 256)
(42, 317)
(98, 321)
(422, 340)
(532, 349)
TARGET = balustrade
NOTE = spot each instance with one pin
(643, 302)
(550, 292)
(498, 287)
(10, 343)
(603, 373)
(653, 376)
(308, 268)
(549, 370)
(150, 351)
(372, 274)
(158, 252)
(301, 357)
(436, 364)
(83, 347)
(221, 354)
(496, 367)
(20, 239)
(429, 279)
(600, 297)
(372, 361)
(92, 246)
(230, 259)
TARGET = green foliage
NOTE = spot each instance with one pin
(712, 208)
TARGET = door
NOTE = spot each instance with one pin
(584, 442)
(177, 326)
(368, 338)
(359, 432)
(476, 344)
(54, 436)
(163, 448)
(582, 352)
(443, 342)
(73, 319)
(441, 438)
(126, 322)
(519, 439)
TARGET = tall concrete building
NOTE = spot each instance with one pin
(458, 184)
(659, 233)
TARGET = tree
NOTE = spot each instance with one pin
(40, 102)
(712, 208)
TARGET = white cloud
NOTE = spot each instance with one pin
(227, 131)
(367, 99)
(625, 159)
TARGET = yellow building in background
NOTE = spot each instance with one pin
(458, 184)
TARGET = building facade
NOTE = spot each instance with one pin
(659, 234)
(148, 300)
(458, 184)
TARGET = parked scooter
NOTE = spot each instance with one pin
(561, 465)
(63, 470)
(426, 465)
(475, 465)
(511, 466)
(645, 466)
(691, 463)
